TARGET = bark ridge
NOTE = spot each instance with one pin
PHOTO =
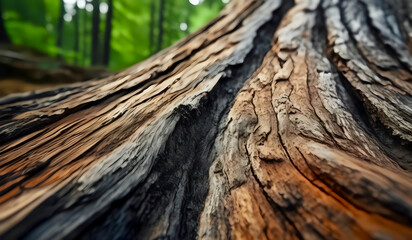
(278, 119)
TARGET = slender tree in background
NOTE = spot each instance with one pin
(160, 25)
(95, 55)
(85, 35)
(278, 120)
(108, 33)
(60, 28)
(76, 32)
(152, 26)
(4, 38)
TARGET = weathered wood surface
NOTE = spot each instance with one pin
(278, 120)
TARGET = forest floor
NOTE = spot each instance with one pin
(23, 70)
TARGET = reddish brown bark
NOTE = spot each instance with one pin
(278, 120)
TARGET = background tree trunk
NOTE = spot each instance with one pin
(60, 28)
(277, 120)
(160, 26)
(85, 34)
(108, 33)
(95, 55)
(152, 26)
(76, 18)
(4, 38)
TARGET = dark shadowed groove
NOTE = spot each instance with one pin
(377, 42)
(37, 95)
(378, 36)
(357, 105)
(185, 160)
(31, 126)
(392, 145)
(179, 178)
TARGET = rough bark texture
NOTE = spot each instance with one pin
(278, 120)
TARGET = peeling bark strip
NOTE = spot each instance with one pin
(277, 120)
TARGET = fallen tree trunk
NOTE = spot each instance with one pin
(277, 120)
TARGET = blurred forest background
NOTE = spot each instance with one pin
(59, 41)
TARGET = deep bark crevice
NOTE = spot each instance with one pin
(186, 153)
(276, 207)
(377, 36)
(391, 144)
(356, 104)
(234, 132)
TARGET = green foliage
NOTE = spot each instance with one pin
(34, 23)
(203, 13)
(34, 36)
(28, 10)
(130, 33)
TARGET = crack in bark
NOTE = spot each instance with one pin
(167, 199)
(211, 111)
(273, 204)
(376, 34)
(355, 104)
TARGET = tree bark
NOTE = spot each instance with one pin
(95, 55)
(276, 120)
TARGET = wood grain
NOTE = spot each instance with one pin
(277, 120)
